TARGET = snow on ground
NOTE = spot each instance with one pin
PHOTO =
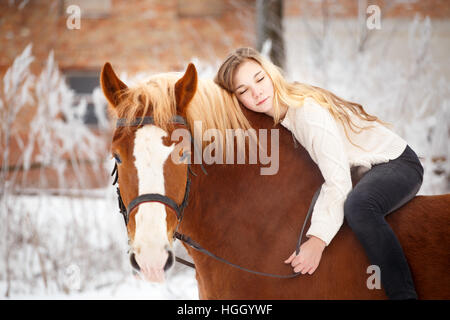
(181, 286)
(83, 249)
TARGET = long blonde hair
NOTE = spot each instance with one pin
(293, 94)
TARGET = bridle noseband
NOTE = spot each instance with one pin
(179, 209)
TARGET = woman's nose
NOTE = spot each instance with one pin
(256, 93)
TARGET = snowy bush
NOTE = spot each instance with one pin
(52, 245)
(42, 237)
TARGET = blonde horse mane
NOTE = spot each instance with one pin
(213, 106)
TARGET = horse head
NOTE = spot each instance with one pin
(144, 153)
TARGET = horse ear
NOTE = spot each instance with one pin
(185, 88)
(111, 84)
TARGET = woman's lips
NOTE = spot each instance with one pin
(261, 101)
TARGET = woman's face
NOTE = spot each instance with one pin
(253, 87)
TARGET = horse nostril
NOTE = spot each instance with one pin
(169, 261)
(133, 262)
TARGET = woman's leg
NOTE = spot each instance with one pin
(381, 190)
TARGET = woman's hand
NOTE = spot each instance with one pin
(309, 257)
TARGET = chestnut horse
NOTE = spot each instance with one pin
(237, 213)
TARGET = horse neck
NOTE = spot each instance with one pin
(236, 210)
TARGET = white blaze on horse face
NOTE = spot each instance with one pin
(150, 240)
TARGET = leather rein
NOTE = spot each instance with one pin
(179, 209)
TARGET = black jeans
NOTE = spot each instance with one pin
(383, 189)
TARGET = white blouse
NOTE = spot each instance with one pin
(325, 140)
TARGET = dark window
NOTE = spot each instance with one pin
(84, 83)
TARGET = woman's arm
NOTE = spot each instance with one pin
(320, 136)
(317, 131)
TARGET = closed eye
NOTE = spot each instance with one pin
(259, 80)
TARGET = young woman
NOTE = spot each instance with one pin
(338, 135)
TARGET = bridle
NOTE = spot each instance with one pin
(151, 197)
(154, 197)
(179, 209)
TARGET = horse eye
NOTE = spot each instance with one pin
(117, 158)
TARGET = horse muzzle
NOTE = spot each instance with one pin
(153, 272)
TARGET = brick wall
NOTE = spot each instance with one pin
(158, 35)
(135, 35)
